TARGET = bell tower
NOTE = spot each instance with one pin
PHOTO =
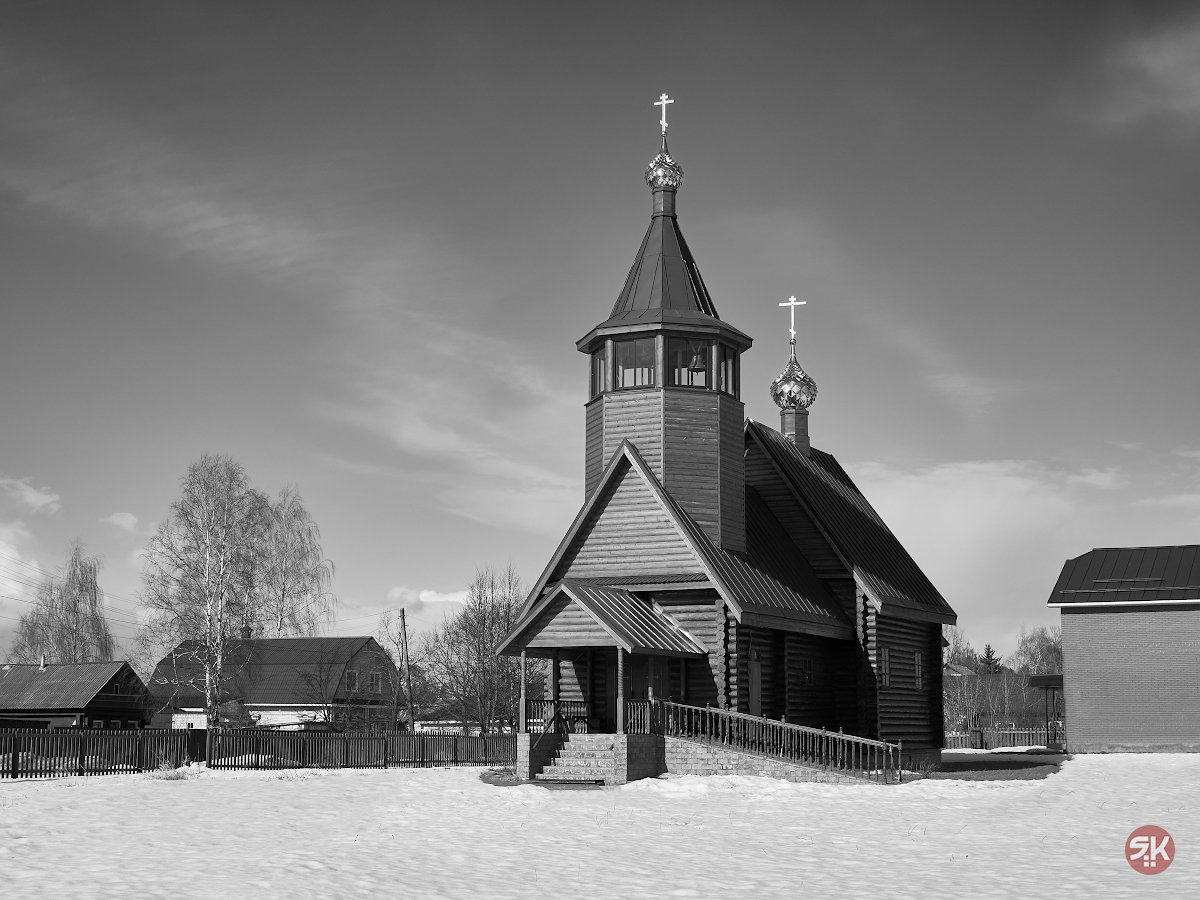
(666, 374)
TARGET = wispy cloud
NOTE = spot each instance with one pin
(33, 498)
(126, 522)
(416, 600)
(1156, 75)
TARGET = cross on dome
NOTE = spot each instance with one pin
(663, 101)
(793, 303)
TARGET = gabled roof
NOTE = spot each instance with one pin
(1139, 576)
(262, 670)
(68, 687)
(632, 623)
(866, 546)
(742, 585)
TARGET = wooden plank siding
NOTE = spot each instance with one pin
(691, 455)
(564, 624)
(594, 458)
(628, 534)
(731, 424)
(635, 416)
(701, 615)
(1129, 679)
(905, 712)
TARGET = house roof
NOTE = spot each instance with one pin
(68, 687)
(261, 670)
(634, 624)
(781, 589)
(866, 546)
(1134, 576)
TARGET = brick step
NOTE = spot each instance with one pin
(562, 778)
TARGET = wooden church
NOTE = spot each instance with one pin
(717, 562)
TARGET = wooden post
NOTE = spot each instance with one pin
(521, 711)
(554, 678)
(620, 690)
(412, 719)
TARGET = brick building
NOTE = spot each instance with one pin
(1131, 649)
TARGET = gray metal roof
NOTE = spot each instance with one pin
(263, 670)
(1130, 575)
(858, 535)
(68, 687)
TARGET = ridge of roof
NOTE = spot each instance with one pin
(854, 530)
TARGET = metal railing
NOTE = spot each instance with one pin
(829, 750)
(28, 753)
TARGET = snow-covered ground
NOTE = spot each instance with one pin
(444, 833)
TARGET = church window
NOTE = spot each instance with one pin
(918, 674)
(598, 372)
(727, 363)
(885, 667)
(635, 363)
(687, 362)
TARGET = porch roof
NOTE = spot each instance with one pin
(626, 620)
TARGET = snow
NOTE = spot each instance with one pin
(444, 833)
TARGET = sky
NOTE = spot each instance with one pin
(352, 246)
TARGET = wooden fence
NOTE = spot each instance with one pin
(996, 738)
(834, 751)
(353, 750)
(26, 753)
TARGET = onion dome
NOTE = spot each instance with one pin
(794, 388)
(663, 173)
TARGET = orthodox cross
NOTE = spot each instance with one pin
(793, 303)
(663, 101)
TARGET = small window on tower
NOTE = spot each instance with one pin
(598, 372)
(635, 363)
(728, 365)
(687, 362)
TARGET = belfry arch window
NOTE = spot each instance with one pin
(598, 373)
(635, 363)
(688, 362)
(727, 370)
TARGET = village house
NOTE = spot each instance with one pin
(716, 561)
(1130, 638)
(73, 695)
(287, 683)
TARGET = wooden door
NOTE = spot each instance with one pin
(755, 684)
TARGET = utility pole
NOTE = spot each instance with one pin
(412, 719)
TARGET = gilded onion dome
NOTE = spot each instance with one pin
(663, 173)
(794, 388)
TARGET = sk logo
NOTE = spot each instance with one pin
(1149, 849)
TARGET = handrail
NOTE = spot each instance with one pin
(802, 744)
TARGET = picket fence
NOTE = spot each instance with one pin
(356, 750)
(993, 738)
(26, 753)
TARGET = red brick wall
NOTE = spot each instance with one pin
(1132, 679)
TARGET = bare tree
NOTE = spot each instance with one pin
(460, 656)
(959, 652)
(67, 623)
(1039, 651)
(198, 575)
(292, 578)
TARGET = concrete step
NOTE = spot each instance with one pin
(588, 764)
(591, 741)
(568, 779)
(576, 753)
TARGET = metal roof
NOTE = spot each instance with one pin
(664, 274)
(858, 535)
(1130, 575)
(68, 686)
(633, 623)
(262, 670)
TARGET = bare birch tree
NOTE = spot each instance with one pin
(198, 571)
(67, 623)
(292, 577)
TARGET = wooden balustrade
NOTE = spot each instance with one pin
(566, 716)
(877, 760)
